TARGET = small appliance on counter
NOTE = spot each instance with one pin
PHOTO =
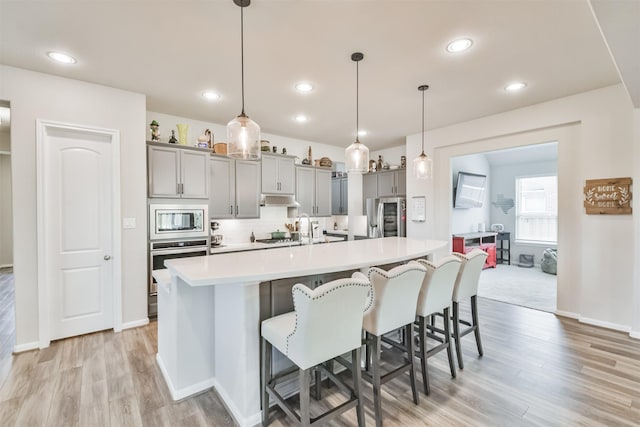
(497, 228)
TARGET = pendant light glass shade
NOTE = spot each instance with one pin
(357, 154)
(423, 165)
(243, 134)
(357, 158)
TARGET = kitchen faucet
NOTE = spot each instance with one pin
(309, 231)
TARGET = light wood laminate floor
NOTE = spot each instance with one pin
(538, 370)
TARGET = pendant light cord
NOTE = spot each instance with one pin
(422, 123)
(357, 102)
(242, 54)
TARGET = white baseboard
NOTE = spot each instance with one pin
(6, 265)
(19, 348)
(635, 334)
(602, 324)
(250, 421)
(568, 314)
(135, 323)
(177, 394)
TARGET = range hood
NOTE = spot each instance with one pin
(288, 201)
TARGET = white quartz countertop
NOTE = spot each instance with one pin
(240, 247)
(293, 261)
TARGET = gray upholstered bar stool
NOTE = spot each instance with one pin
(395, 295)
(467, 287)
(435, 299)
(326, 323)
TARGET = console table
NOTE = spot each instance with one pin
(466, 242)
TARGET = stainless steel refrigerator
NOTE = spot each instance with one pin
(387, 217)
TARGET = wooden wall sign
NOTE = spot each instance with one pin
(608, 196)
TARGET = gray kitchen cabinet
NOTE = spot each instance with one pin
(369, 189)
(313, 190)
(235, 188)
(247, 189)
(178, 172)
(339, 196)
(278, 174)
(392, 183)
(323, 192)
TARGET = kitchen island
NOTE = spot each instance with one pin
(209, 311)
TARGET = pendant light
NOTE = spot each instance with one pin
(243, 134)
(423, 165)
(357, 154)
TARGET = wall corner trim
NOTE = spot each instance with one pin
(135, 324)
(19, 348)
(568, 314)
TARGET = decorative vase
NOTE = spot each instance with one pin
(183, 131)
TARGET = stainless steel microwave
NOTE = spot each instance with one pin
(178, 221)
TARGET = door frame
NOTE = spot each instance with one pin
(44, 332)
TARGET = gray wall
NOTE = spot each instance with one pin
(503, 181)
(467, 220)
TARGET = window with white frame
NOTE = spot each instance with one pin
(537, 209)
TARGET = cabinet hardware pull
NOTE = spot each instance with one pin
(231, 209)
(236, 210)
(107, 257)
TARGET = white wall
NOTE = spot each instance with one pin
(42, 96)
(467, 220)
(295, 147)
(6, 216)
(503, 181)
(595, 138)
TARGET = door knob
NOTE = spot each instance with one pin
(107, 257)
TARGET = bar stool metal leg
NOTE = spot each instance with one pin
(357, 383)
(447, 337)
(374, 343)
(423, 353)
(476, 327)
(456, 334)
(304, 383)
(411, 352)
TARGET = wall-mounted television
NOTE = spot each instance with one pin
(469, 191)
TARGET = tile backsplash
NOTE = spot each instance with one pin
(271, 219)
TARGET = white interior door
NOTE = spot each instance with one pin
(77, 230)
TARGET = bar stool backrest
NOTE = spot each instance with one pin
(437, 289)
(467, 281)
(328, 320)
(395, 295)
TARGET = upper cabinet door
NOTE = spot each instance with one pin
(401, 182)
(164, 172)
(336, 196)
(323, 192)
(195, 174)
(222, 188)
(247, 189)
(344, 196)
(286, 175)
(386, 184)
(305, 189)
(269, 174)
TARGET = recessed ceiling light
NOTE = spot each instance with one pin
(459, 45)
(362, 132)
(212, 96)
(63, 58)
(301, 118)
(514, 87)
(304, 87)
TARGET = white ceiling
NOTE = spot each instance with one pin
(173, 50)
